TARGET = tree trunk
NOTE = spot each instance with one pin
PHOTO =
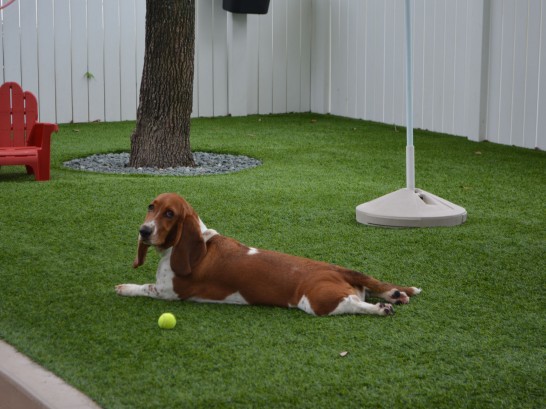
(162, 135)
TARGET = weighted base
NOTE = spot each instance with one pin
(410, 208)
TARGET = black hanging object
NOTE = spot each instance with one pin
(246, 6)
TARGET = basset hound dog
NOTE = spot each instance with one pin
(198, 264)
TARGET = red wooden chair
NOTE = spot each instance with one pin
(23, 140)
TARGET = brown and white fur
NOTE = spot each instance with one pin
(198, 264)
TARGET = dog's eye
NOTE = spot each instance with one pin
(169, 214)
(151, 208)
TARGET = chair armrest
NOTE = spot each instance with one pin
(40, 135)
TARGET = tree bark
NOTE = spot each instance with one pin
(161, 138)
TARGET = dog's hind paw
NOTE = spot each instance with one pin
(396, 297)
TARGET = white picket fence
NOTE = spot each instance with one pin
(479, 65)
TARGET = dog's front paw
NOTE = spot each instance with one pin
(385, 309)
(125, 289)
(120, 289)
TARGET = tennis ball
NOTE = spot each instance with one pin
(166, 321)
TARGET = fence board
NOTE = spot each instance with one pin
(29, 47)
(343, 96)
(195, 93)
(265, 61)
(439, 65)
(371, 52)
(63, 75)
(2, 52)
(279, 56)
(351, 82)
(418, 61)
(336, 74)
(320, 57)
(253, 44)
(140, 7)
(80, 80)
(128, 81)
(204, 60)
(450, 43)
(220, 59)
(541, 103)
(376, 59)
(459, 68)
(520, 57)
(379, 79)
(361, 61)
(306, 25)
(399, 69)
(494, 86)
(95, 61)
(428, 72)
(477, 63)
(46, 51)
(112, 70)
(12, 44)
(237, 70)
(507, 71)
(293, 53)
(532, 75)
(388, 72)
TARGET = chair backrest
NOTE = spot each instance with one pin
(18, 114)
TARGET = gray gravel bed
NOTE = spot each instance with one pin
(207, 164)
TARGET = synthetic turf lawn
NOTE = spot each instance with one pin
(473, 338)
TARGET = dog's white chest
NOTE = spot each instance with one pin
(164, 276)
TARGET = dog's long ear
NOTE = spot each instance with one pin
(142, 250)
(189, 247)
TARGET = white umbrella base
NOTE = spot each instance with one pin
(410, 208)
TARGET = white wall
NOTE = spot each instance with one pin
(479, 65)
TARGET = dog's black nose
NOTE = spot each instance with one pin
(145, 232)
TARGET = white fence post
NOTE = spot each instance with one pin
(477, 69)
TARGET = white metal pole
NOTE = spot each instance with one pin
(403, 208)
(410, 154)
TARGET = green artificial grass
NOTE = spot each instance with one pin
(474, 338)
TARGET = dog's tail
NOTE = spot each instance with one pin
(374, 287)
